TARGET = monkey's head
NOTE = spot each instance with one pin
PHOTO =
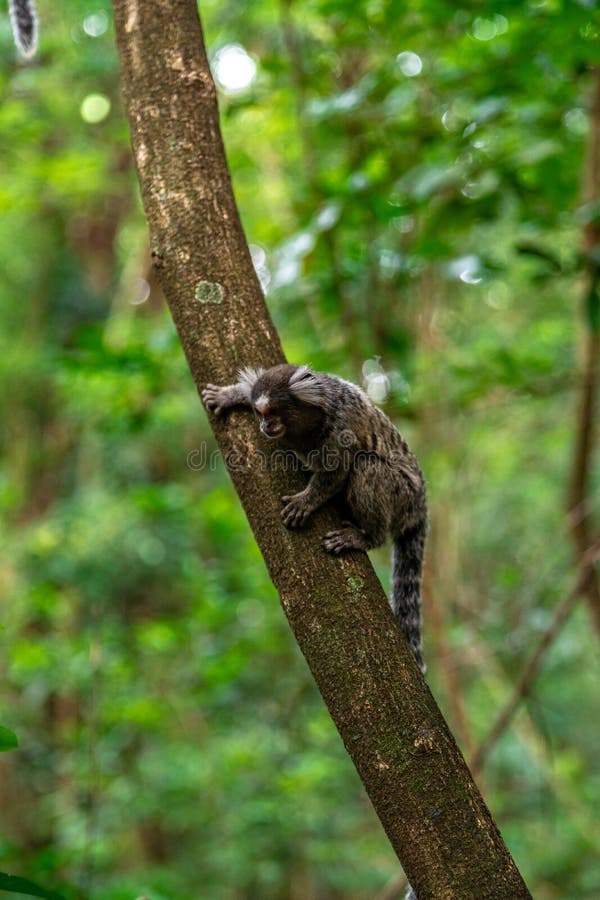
(287, 401)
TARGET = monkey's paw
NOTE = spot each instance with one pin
(296, 510)
(339, 541)
(215, 398)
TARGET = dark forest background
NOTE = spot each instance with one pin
(416, 188)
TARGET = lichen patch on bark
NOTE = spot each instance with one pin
(209, 292)
(355, 583)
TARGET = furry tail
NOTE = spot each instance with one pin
(407, 565)
(24, 23)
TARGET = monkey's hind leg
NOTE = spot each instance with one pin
(351, 537)
(347, 538)
(368, 501)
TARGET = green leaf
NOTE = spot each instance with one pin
(24, 886)
(8, 739)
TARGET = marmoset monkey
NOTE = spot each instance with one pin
(24, 23)
(351, 447)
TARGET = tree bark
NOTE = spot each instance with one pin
(407, 759)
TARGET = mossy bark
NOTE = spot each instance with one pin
(407, 759)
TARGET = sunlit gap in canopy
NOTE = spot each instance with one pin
(409, 63)
(234, 69)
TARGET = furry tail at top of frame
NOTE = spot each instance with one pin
(24, 21)
(407, 566)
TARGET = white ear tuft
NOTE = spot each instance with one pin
(249, 376)
(300, 372)
(307, 387)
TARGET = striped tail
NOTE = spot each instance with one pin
(407, 565)
(24, 22)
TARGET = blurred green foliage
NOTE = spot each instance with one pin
(418, 171)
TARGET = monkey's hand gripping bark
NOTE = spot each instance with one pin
(321, 487)
(298, 507)
(218, 398)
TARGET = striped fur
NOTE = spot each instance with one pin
(24, 21)
(407, 563)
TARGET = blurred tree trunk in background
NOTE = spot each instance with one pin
(579, 500)
(409, 763)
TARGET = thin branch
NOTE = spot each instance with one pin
(446, 659)
(532, 669)
(296, 55)
(434, 429)
(292, 43)
(578, 500)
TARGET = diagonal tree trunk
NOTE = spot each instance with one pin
(407, 759)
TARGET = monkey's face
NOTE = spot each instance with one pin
(270, 417)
